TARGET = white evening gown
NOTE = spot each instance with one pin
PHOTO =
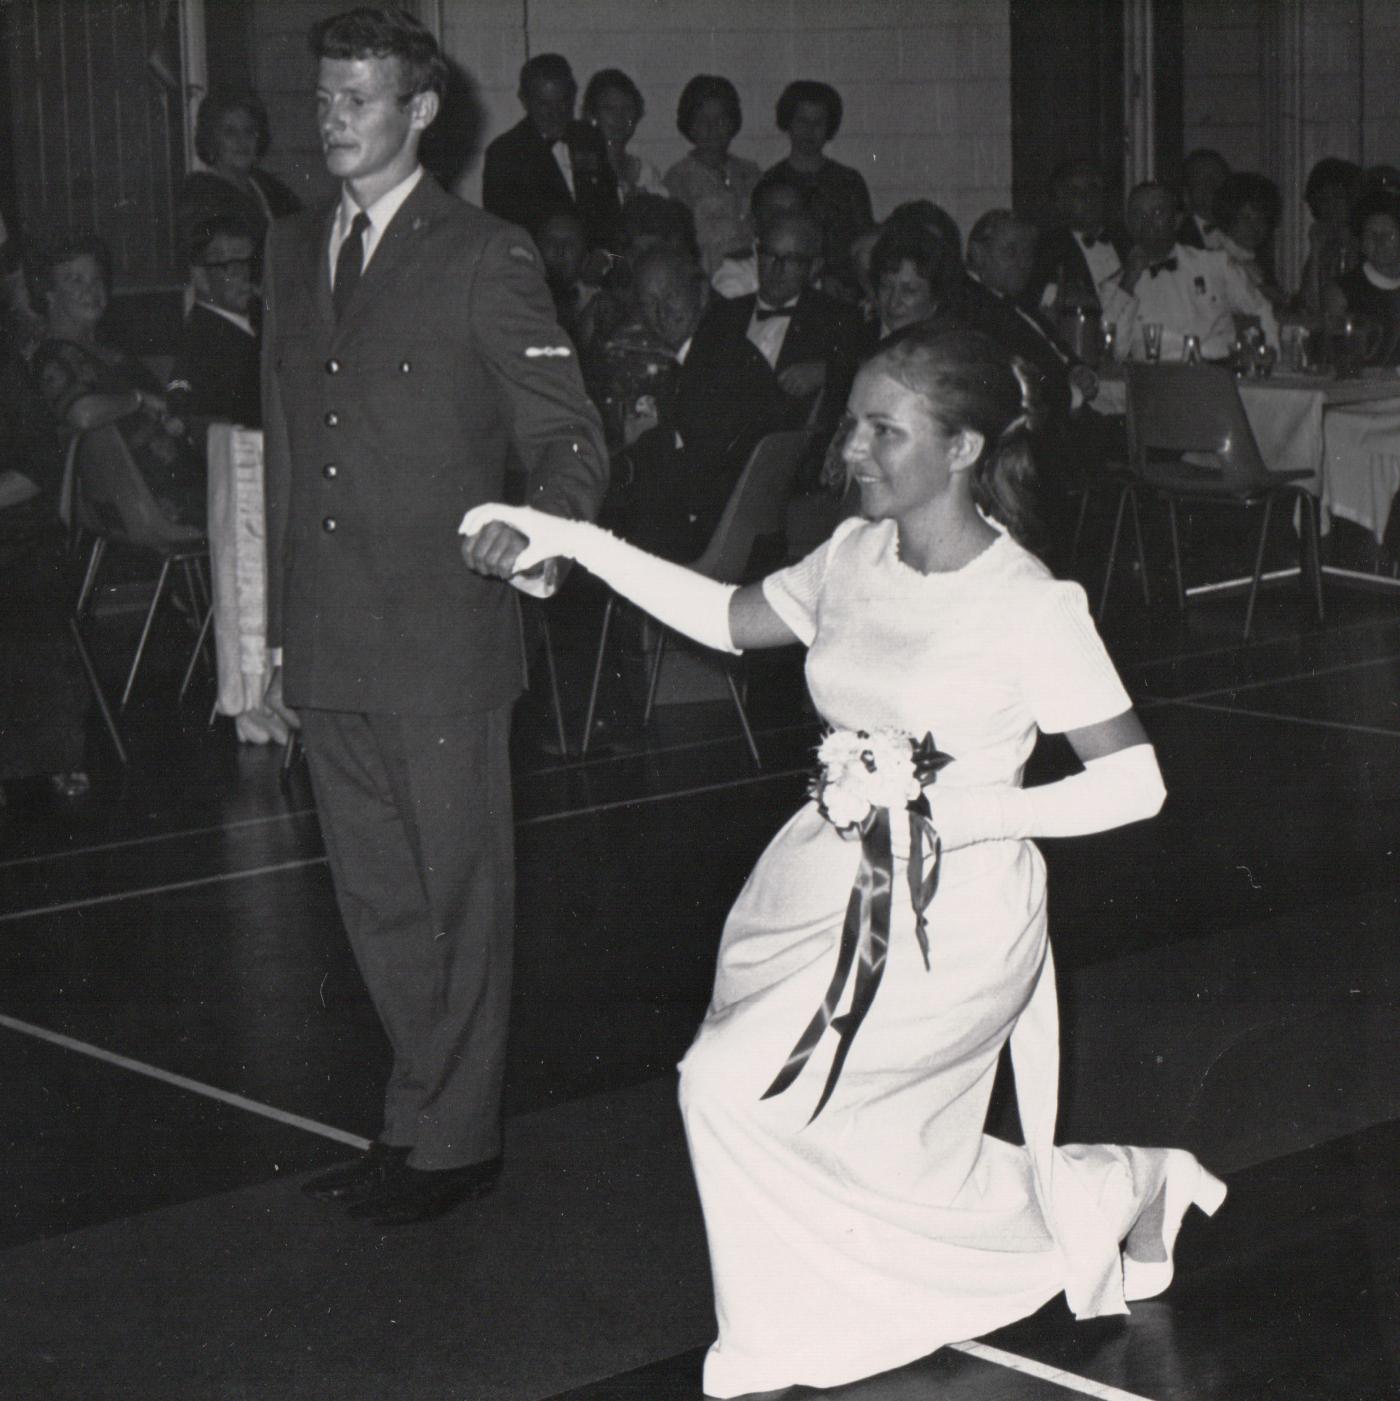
(893, 1224)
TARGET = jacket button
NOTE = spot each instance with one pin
(328, 525)
(332, 419)
(405, 368)
(330, 471)
(332, 367)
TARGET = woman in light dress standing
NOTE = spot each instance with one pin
(888, 1223)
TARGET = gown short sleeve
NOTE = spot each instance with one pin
(1067, 678)
(792, 593)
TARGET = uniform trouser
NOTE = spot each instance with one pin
(416, 815)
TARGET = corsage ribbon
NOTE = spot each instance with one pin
(865, 934)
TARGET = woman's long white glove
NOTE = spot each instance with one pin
(674, 595)
(1119, 788)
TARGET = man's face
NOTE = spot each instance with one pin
(1079, 199)
(669, 303)
(1152, 218)
(1005, 261)
(224, 275)
(369, 135)
(549, 104)
(776, 202)
(562, 247)
(787, 254)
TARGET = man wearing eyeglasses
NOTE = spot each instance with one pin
(216, 370)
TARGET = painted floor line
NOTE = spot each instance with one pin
(252, 872)
(1262, 684)
(183, 1082)
(1289, 719)
(1071, 1381)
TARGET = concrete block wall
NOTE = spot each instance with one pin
(1223, 100)
(926, 83)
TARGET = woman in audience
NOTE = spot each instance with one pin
(90, 384)
(613, 103)
(42, 695)
(858, 1215)
(1332, 190)
(1246, 211)
(1372, 291)
(914, 274)
(231, 136)
(713, 184)
(837, 198)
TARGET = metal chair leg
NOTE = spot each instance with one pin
(1113, 551)
(99, 548)
(1079, 524)
(654, 675)
(743, 717)
(1142, 552)
(145, 633)
(547, 637)
(195, 652)
(98, 694)
(1258, 566)
(1312, 512)
(597, 677)
(1176, 557)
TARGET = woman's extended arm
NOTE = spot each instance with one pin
(507, 540)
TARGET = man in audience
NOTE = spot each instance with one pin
(215, 375)
(563, 247)
(1185, 291)
(773, 196)
(549, 161)
(1203, 172)
(1080, 256)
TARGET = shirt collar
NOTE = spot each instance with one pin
(382, 211)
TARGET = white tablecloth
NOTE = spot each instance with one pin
(1361, 470)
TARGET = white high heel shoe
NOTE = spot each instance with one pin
(1185, 1183)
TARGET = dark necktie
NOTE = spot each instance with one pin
(349, 263)
(762, 313)
(1166, 265)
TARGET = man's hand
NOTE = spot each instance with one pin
(1085, 381)
(801, 380)
(1134, 265)
(494, 549)
(272, 700)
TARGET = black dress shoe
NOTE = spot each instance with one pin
(418, 1195)
(357, 1181)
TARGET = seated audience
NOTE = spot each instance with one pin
(1187, 291)
(1203, 172)
(612, 102)
(773, 196)
(563, 247)
(922, 212)
(1372, 290)
(713, 184)
(1080, 257)
(1247, 208)
(87, 383)
(231, 135)
(914, 273)
(836, 195)
(216, 375)
(1331, 193)
(549, 161)
(43, 697)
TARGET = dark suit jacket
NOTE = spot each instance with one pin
(1058, 257)
(521, 181)
(216, 371)
(383, 430)
(1022, 333)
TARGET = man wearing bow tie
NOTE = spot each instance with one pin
(550, 162)
(1187, 291)
(409, 350)
(1079, 258)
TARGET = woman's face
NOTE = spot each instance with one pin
(894, 451)
(903, 297)
(615, 115)
(1380, 244)
(236, 141)
(807, 129)
(78, 291)
(711, 128)
(1251, 228)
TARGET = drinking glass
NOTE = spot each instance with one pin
(1152, 341)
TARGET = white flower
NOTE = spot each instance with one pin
(844, 806)
(864, 769)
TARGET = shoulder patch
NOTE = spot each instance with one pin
(521, 253)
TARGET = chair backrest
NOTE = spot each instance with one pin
(756, 507)
(1195, 410)
(113, 500)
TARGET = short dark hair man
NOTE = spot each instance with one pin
(410, 349)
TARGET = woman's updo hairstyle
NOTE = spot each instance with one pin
(971, 384)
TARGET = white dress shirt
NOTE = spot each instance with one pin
(560, 151)
(381, 212)
(1200, 297)
(768, 334)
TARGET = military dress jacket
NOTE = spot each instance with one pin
(382, 430)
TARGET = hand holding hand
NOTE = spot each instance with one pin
(272, 700)
(503, 540)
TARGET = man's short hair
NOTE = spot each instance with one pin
(993, 222)
(1072, 165)
(547, 68)
(205, 231)
(371, 32)
(1204, 155)
(776, 179)
(820, 94)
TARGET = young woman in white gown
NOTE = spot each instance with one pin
(891, 1223)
